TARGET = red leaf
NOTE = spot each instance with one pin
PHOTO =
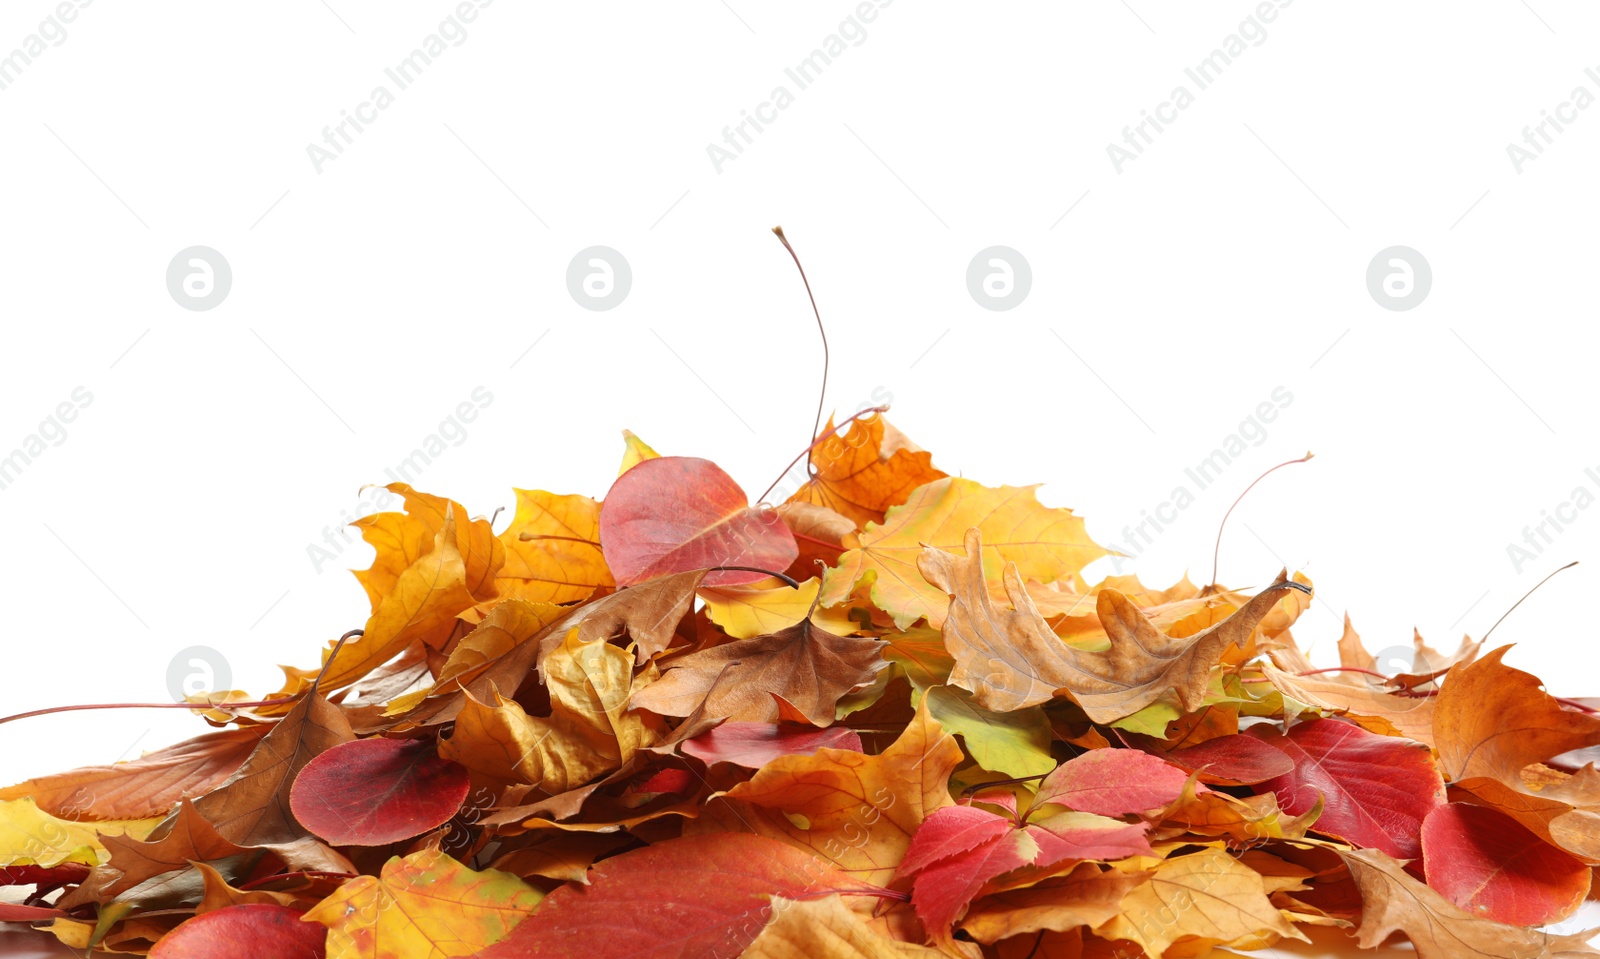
(1112, 782)
(952, 831)
(1234, 760)
(43, 875)
(1490, 865)
(942, 891)
(673, 514)
(1077, 835)
(753, 745)
(680, 899)
(1378, 789)
(370, 792)
(958, 849)
(11, 912)
(250, 931)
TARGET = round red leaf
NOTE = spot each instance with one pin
(673, 514)
(1493, 867)
(370, 792)
(244, 932)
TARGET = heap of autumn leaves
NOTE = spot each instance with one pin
(607, 731)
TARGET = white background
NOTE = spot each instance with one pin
(370, 299)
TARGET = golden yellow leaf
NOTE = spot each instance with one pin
(425, 906)
(1086, 896)
(760, 608)
(589, 731)
(508, 625)
(553, 548)
(825, 928)
(1046, 545)
(29, 836)
(1207, 895)
(634, 452)
(400, 539)
(421, 607)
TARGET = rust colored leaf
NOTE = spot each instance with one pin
(861, 473)
(143, 787)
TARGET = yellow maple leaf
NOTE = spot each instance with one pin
(1047, 545)
(553, 549)
(425, 906)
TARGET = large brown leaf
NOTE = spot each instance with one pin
(1009, 659)
(252, 807)
(808, 666)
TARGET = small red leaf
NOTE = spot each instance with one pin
(250, 931)
(1378, 789)
(1233, 760)
(43, 875)
(1079, 835)
(708, 895)
(1490, 865)
(1112, 782)
(943, 890)
(753, 745)
(673, 514)
(370, 792)
(11, 912)
(952, 831)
